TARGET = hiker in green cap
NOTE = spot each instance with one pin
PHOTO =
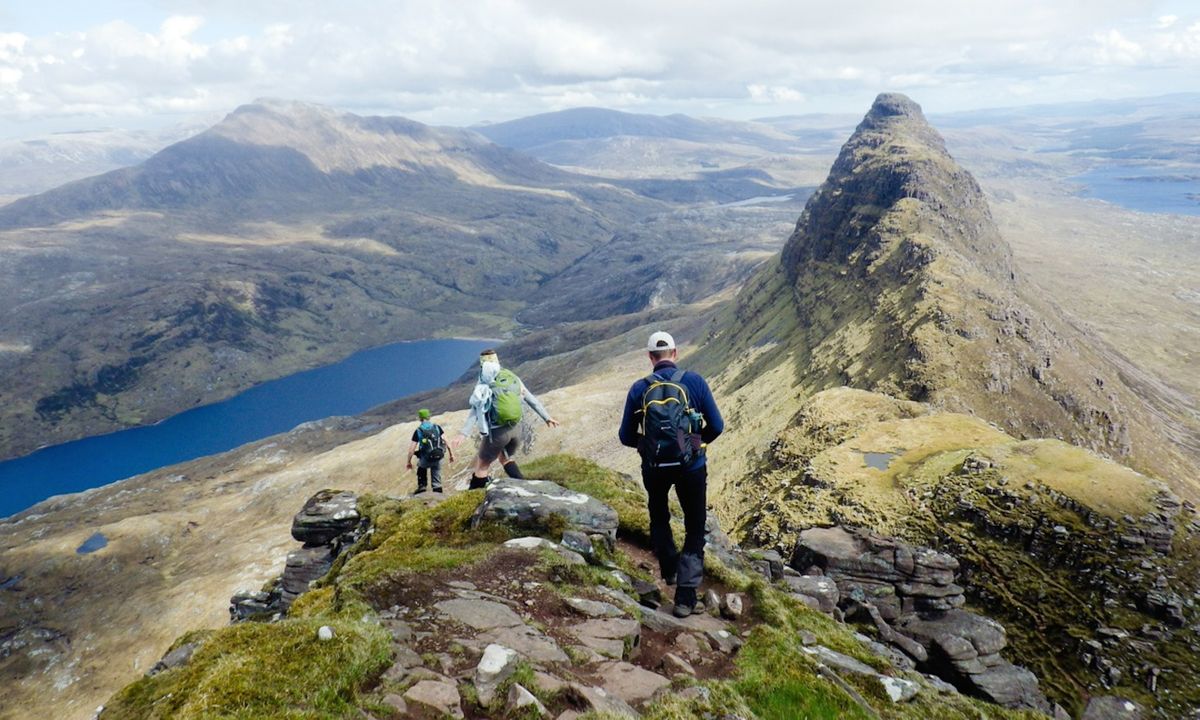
(429, 446)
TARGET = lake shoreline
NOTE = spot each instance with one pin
(353, 385)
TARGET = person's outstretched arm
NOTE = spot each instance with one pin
(537, 405)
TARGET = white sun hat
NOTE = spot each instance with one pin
(660, 341)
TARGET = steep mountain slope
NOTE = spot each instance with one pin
(286, 236)
(1089, 565)
(896, 280)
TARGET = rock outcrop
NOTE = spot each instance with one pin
(910, 595)
(536, 504)
(328, 524)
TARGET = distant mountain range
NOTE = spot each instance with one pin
(289, 235)
(32, 165)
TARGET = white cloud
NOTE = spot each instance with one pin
(491, 59)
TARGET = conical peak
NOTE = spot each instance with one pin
(894, 181)
(893, 104)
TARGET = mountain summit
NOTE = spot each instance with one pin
(897, 280)
(894, 187)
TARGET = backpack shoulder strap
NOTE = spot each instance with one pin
(677, 376)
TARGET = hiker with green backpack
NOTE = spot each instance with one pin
(429, 445)
(495, 415)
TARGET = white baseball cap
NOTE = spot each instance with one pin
(660, 341)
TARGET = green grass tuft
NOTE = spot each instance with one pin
(258, 670)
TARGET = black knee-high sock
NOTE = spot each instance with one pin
(478, 482)
(511, 470)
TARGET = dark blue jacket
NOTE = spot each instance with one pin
(699, 395)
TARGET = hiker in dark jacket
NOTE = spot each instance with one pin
(428, 444)
(673, 459)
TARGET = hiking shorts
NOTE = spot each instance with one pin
(501, 439)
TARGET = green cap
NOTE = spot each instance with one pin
(423, 414)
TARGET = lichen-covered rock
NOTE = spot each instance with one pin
(535, 504)
(325, 516)
(964, 648)
(824, 590)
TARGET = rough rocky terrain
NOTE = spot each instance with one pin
(429, 611)
(1089, 565)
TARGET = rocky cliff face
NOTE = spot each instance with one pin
(897, 280)
(1089, 566)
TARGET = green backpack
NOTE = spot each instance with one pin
(506, 399)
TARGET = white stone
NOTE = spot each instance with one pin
(496, 665)
(325, 633)
(519, 698)
(530, 543)
(899, 690)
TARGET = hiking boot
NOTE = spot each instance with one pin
(685, 602)
(437, 490)
(419, 491)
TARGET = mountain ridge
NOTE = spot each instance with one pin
(896, 280)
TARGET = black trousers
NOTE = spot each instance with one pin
(691, 487)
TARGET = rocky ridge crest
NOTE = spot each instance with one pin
(537, 626)
(896, 280)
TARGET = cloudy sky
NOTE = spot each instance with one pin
(67, 64)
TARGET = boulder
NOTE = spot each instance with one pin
(617, 638)
(178, 657)
(254, 605)
(535, 504)
(325, 516)
(479, 614)
(887, 573)
(600, 701)
(440, 696)
(497, 665)
(1111, 707)
(824, 590)
(525, 640)
(303, 566)
(524, 702)
(630, 683)
(578, 542)
(647, 593)
(898, 689)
